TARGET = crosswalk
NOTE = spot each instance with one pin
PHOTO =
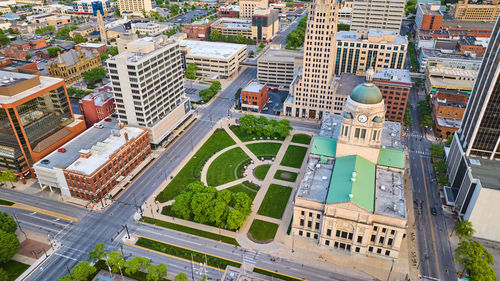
(250, 258)
(420, 152)
(416, 135)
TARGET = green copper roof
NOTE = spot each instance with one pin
(324, 146)
(391, 157)
(366, 93)
(361, 190)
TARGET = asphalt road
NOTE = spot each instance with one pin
(107, 226)
(436, 257)
(281, 38)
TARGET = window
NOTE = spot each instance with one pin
(384, 230)
(327, 242)
(318, 216)
(350, 236)
(301, 222)
(308, 235)
(372, 239)
(360, 239)
(375, 228)
(387, 252)
(329, 232)
(317, 225)
(389, 242)
(302, 212)
(301, 232)
(344, 234)
(337, 233)
(393, 232)
(310, 215)
(356, 133)
(309, 224)
(381, 240)
(357, 249)
(315, 236)
(379, 251)
(370, 249)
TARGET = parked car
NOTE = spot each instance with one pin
(274, 89)
(269, 102)
(62, 149)
(265, 108)
(433, 211)
(98, 126)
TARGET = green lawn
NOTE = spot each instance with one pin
(261, 171)
(192, 170)
(274, 202)
(264, 149)
(276, 275)
(244, 137)
(263, 231)
(301, 138)
(6, 202)
(294, 156)
(193, 231)
(14, 268)
(185, 253)
(223, 169)
(285, 176)
(247, 187)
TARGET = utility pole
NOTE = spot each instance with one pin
(121, 248)
(390, 271)
(126, 228)
(18, 225)
(293, 240)
(192, 266)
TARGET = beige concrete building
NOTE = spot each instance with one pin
(358, 51)
(148, 83)
(265, 24)
(449, 78)
(377, 14)
(247, 7)
(352, 197)
(149, 28)
(215, 60)
(476, 12)
(278, 67)
(134, 7)
(233, 27)
(312, 90)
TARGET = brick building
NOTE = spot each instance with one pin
(99, 169)
(197, 29)
(254, 96)
(97, 105)
(90, 165)
(22, 66)
(71, 64)
(448, 107)
(20, 48)
(395, 85)
(99, 47)
(468, 44)
(229, 11)
(428, 16)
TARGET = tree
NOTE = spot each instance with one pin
(63, 32)
(116, 261)
(407, 120)
(5, 277)
(113, 51)
(12, 31)
(182, 205)
(4, 39)
(82, 271)
(235, 219)
(248, 123)
(242, 203)
(476, 259)
(343, 27)
(216, 86)
(52, 51)
(251, 53)
(464, 229)
(156, 272)
(94, 75)
(8, 176)
(10, 246)
(98, 252)
(190, 72)
(136, 264)
(283, 128)
(7, 223)
(78, 38)
(436, 150)
(117, 11)
(448, 141)
(262, 45)
(215, 35)
(174, 9)
(181, 276)
(200, 204)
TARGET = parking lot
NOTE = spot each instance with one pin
(192, 90)
(275, 103)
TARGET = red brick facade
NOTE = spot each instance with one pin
(104, 179)
(97, 106)
(478, 49)
(432, 22)
(395, 97)
(196, 31)
(224, 12)
(254, 101)
(447, 104)
(101, 49)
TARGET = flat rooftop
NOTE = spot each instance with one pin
(393, 75)
(101, 151)
(281, 55)
(216, 50)
(316, 182)
(85, 140)
(347, 82)
(436, 53)
(391, 135)
(352, 36)
(45, 82)
(330, 126)
(440, 82)
(389, 194)
(428, 9)
(468, 73)
(484, 25)
(91, 45)
(449, 122)
(486, 171)
(253, 87)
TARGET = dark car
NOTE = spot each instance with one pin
(433, 211)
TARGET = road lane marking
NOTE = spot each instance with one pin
(167, 255)
(57, 254)
(22, 206)
(168, 236)
(279, 273)
(430, 218)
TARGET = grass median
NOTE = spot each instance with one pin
(185, 253)
(193, 231)
(6, 202)
(276, 275)
(192, 170)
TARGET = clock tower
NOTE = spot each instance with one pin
(363, 115)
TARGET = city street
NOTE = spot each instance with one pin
(107, 226)
(435, 255)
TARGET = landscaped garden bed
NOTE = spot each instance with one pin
(285, 176)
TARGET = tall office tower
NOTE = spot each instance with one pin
(148, 83)
(134, 7)
(474, 157)
(247, 7)
(35, 119)
(98, 10)
(377, 14)
(312, 91)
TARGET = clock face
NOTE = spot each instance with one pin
(362, 118)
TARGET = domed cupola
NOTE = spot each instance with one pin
(366, 93)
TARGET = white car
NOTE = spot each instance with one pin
(265, 108)
(98, 126)
(269, 102)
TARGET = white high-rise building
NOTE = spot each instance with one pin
(148, 86)
(377, 14)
